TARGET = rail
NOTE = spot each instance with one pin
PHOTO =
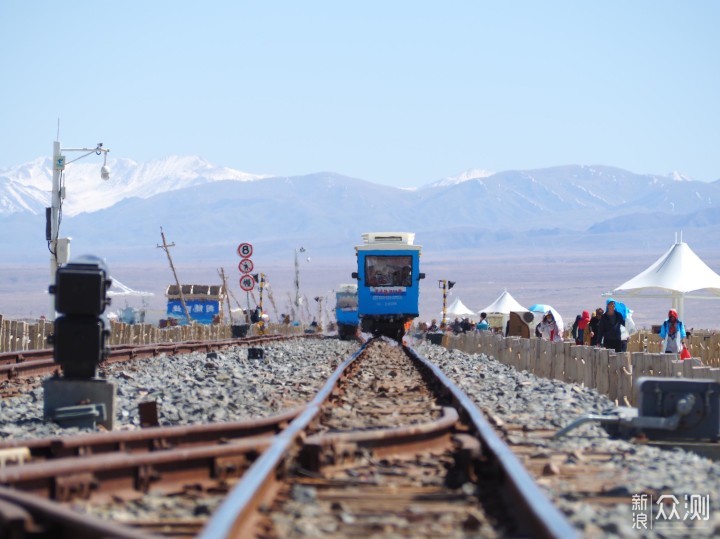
(237, 516)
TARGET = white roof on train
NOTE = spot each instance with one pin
(388, 240)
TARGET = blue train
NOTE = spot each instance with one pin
(388, 278)
(346, 311)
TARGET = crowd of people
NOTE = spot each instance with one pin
(609, 328)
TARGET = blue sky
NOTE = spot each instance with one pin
(399, 93)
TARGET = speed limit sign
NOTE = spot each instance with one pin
(245, 250)
(247, 282)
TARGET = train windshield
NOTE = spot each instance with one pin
(388, 270)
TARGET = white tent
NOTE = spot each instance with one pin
(675, 274)
(458, 308)
(504, 305)
(119, 289)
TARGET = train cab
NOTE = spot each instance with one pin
(388, 278)
(346, 311)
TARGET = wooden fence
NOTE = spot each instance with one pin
(18, 335)
(610, 373)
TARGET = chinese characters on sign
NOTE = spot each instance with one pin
(245, 251)
(668, 509)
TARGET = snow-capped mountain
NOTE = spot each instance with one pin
(27, 187)
(209, 208)
(470, 174)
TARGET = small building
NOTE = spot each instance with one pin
(203, 302)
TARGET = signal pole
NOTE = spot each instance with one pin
(445, 285)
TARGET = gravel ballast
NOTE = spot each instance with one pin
(227, 386)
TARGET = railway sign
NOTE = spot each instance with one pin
(245, 250)
(246, 265)
(247, 282)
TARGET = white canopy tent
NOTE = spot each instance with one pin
(504, 304)
(119, 289)
(458, 308)
(674, 275)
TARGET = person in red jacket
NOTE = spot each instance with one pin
(581, 327)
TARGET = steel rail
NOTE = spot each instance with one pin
(24, 515)
(66, 478)
(229, 518)
(39, 362)
(149, 439)
(545, 518)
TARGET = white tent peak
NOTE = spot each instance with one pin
(673, 275)
(504, 304)
(458, 308)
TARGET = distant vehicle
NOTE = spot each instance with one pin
(388, 282)
(346, 311)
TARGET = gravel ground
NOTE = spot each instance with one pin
(522, 398)
(195, 388)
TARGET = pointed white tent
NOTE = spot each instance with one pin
(675, 274)
(458, 308)
(504, 304)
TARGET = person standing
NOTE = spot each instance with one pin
(483, 324)
(582, 325)
(609, 329)
(549, 328)
(593, 325)
(673, 332)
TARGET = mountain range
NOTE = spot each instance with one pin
(209, 209)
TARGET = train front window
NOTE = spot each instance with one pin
(388, 270)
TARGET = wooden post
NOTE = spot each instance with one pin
(166, 247)
(221, 271)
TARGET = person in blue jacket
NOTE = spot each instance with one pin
(673, 332)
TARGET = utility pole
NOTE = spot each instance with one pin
(166, 247)
(221, 272)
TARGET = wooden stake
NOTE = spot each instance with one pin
(166, 247)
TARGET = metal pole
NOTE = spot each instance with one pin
(58, 164)
(262, 284)
(444, 283)
(297, 280)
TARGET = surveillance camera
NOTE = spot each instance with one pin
(105, 173)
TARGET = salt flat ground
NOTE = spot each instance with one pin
(570, 282)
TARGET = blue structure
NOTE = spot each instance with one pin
(388, 282)
(203, 303)
(346, 311)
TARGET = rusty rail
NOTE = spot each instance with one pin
(545, 517)
(149, 439)
(40, 362)
(24, 515)
(259, 480)
(238, 515)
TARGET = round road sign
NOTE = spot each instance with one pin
(247, 282)
(246, 265)
(245, 250)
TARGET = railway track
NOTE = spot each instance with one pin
(384, 428)
(17, 367)
(389, 447)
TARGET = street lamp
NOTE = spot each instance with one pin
(60, 247)
(297, 277)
